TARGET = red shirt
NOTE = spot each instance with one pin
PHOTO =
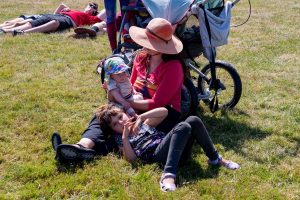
(81, 18)
(168, 77)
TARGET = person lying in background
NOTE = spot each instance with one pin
(138, 18)
(22, 19)
(63, 18)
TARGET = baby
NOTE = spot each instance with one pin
(119, 88)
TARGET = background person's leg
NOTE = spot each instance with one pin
(11, 22)
(110, 8)
(17, 24)
(45, 28)
(19, 28)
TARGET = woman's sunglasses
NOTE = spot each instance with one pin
(93, 6)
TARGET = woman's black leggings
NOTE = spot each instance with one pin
(178, 143)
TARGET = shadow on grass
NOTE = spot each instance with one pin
(80, 36)
(70, 167)
(192, 171)
(230, 133)
(225, 131)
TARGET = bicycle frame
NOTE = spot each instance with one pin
(214, 83)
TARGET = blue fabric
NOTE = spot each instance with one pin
(110, 8)
(171, 10)
(219, 27)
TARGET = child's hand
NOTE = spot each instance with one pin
(104, 85)
(128, 128)
(137, 125)
(138, 93)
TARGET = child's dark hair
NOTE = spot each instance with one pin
(105, 113)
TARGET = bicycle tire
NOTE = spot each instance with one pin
(233, 98)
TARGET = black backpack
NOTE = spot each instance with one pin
(191, 40)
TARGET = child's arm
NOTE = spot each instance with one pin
(61, 7)
(151, 118)
(115, 93)
(128, 152)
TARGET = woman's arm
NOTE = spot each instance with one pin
(61, 7)
(116, 96)
(142, 105)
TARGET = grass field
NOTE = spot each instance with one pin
(48, 83)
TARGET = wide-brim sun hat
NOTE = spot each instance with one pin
(157, 36)
(115, 65)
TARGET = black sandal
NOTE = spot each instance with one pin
(75, 152)
(2, 31)
(55, 140)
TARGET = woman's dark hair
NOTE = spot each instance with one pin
(145, 59)
(169, 57)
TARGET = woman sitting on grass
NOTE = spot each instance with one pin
(153, 73)
(137, 138)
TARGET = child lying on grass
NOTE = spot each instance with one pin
(137, 138)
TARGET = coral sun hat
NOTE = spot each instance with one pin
(158, 36)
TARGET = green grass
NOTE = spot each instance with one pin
(48, 82)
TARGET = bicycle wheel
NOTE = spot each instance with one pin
(189, 99)
(230, 92)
